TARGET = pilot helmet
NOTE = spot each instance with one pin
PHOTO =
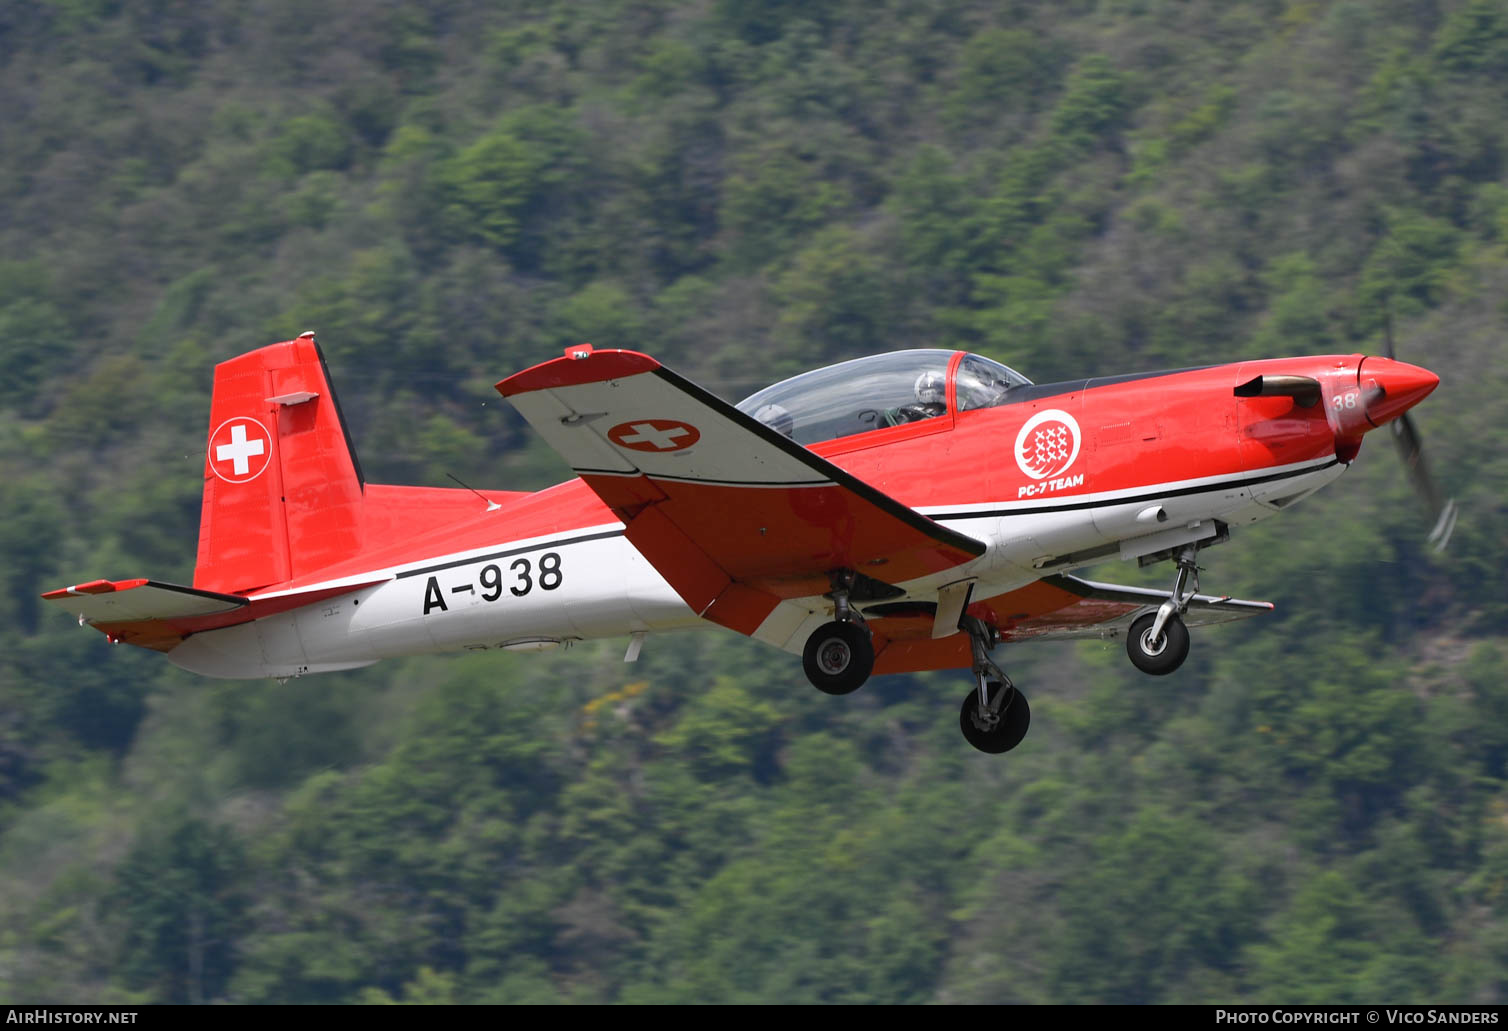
(931, 388)
(776, 418)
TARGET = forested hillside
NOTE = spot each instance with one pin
(1312, 809)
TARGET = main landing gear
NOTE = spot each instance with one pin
(839, 655)
(1158, 642)
(995, 716)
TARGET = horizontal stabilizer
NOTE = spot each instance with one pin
(156, 615)
(104, 601)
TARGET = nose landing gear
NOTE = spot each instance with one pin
(1158, 642)
(1154, 653)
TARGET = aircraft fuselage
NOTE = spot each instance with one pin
(1059, 476)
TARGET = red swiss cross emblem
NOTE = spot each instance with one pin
(239, 450)
(656, 435)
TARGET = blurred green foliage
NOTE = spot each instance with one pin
(1313, 809)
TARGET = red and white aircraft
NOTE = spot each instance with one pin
(901, 512)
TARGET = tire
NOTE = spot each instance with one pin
(838, 658)
(1161, 657)
(1015, 718)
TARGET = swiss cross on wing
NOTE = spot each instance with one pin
(654, 435)
(239, 450)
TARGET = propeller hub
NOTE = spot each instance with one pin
(1389, 388)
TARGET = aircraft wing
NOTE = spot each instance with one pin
(1053, 608)
(735, 516)
(156, 615)
(1097, 609)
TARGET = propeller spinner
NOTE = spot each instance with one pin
(1382, 392)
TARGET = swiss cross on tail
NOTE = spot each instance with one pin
(239, 450)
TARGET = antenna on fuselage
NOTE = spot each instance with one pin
(492, 506)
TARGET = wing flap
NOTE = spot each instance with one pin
(734, 515)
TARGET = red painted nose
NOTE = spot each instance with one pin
(1392, 388)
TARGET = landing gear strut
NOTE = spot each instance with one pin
(839, 655)
(995, 716)
(1158, 642)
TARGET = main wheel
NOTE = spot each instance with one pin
(838, 657)
(1014, 717)
(1157, 656)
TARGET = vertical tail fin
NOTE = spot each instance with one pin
(283, 490)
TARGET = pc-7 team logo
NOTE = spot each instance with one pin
(1046, 448)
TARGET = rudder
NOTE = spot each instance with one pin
(283, 490)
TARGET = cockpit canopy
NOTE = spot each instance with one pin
(879, 391)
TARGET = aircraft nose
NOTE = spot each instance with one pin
(1393, 387)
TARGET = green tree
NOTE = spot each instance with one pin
(179, 898)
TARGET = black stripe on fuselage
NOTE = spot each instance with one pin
(1151, 495)
(605, 534)
(1039, 391)
(561, 543)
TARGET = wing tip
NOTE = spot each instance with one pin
(575, 369)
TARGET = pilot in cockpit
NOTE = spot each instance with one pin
(777, 419)
(931, 398)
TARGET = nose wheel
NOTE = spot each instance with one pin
(1153, 653)
(1158, 642)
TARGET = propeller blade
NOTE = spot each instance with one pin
(1444, 526)
(1411, 449)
